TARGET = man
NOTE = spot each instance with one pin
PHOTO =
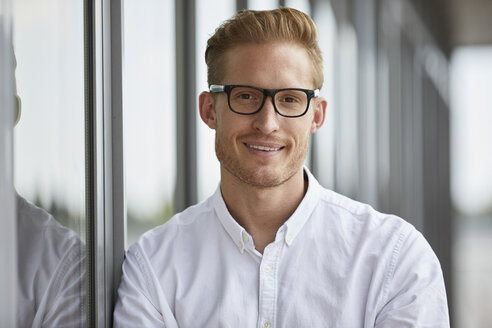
(272, 248)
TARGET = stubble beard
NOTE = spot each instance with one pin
(263, 177)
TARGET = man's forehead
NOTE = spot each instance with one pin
(280, 61)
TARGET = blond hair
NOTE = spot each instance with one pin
(249, 26)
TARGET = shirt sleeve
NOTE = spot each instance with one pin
(140, 303)
(413, 294)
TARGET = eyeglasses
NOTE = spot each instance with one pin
(248, 100)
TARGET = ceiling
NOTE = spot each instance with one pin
(470, 22)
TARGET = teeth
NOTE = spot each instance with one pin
(263, 148)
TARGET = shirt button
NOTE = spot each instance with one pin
(240, 245)
(267, 269)
(289, 239)
(245, 239)
(267, 325)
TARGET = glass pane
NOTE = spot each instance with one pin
(210, 14)
(324, 145)
(262, 4)
(49, 162)
(471, 184)
(303, 5)
(149, 105)
(345, 126)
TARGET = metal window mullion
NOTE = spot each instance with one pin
(115, 217)
(186, 184)
(90, 159)
(104, 158)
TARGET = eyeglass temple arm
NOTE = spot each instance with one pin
(216, 88)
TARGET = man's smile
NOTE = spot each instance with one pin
(264, 147)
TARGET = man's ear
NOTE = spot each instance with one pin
(319, 114)
(207, 109)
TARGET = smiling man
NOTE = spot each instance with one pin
(262, 135)
(271, 247)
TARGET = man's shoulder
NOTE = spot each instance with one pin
(342, 210)
(336, 201)
(366, 229)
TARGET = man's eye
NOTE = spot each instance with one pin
(245, 96)
(289, 100)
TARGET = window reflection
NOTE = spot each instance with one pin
(49, 163)
(50, 270)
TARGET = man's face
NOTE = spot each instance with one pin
(263, 149)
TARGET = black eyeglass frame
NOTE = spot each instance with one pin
(216, 88)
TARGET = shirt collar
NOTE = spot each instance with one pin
(235, 231)
(292, 226)
(300, 216)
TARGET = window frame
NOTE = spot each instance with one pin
(105, 202)
(8, 234)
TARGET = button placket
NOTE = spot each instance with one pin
(268, 285)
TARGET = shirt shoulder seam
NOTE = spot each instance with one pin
(350, 210)
(147, 276)
(394, 259)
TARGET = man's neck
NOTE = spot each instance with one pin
(261, 211)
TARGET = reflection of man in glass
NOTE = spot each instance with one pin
(272, 248)
(50, 288)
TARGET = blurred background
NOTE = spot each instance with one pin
(408, 124)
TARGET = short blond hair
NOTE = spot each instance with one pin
(250, 26)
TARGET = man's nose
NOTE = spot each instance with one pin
(266, 120)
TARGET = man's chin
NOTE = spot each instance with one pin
(259, 177)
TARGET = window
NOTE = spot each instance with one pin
(8, 238)
(471, 184)
(346, 115)
(49, 162)
(149, 105)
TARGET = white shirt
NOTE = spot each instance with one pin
(334, 263)
(51, 268)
